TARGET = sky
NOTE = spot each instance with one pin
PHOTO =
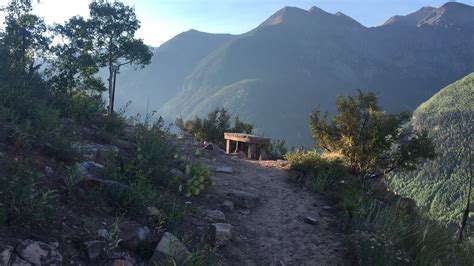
(161, 20)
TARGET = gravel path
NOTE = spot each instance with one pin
(274, 231)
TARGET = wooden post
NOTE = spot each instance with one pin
(237, 147)
(227, 146)
(252, 150)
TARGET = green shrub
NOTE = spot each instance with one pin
(21, 198)
(384, 234)
(197, 178)
(277, 149)
(147, 169)
(80, 105)
(319, 173)
(212, 128)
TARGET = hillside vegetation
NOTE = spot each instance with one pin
(440, 185)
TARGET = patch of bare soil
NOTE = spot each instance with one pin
(286, 226)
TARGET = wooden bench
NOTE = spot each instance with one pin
(252, 140)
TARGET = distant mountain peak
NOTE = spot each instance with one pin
(451, 14)
(315, 15)
(411, 19)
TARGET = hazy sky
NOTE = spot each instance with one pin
(163, 19)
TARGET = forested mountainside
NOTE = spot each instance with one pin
(298, 59)
(440, 185)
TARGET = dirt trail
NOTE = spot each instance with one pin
(274, 231)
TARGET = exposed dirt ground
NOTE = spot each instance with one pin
(274, 231)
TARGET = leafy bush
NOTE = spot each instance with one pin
(197, 178)
(371, 140)
(212, 128)
(21, 198)
(277, 149)
(319, 173)
(149, 167)
(384, 234)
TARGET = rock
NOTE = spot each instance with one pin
(228, 205)
(38, 253)
(169, 245)
(214, 216)
(121, 262)
(103, 156)
(95, 249)
(244, 199)
(327, 208)
(123, 144)
(103, 233)
(17, 261)
(244, 212)
(225, 169)
(310, 220)
(408, 205)
(5, 133)
(177, 172)
(95, 183)
(5, 254)
(89, 169)
(48, 171)
(222, 233)
(209, 147)
(132, 235)
(153, 211)
(241, 155)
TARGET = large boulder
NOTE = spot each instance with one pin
(243, 199)
(38, 253)
(169, 246)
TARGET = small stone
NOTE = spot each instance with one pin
(169, 245)
(214, 216)
(326, 208)
(38, 253)
(244, 212)
(17, 261)
(222, 233)
(5, 254)
(48, 171)
(244, 199)
(177, 172)
(225, 169)
(209, 147)
(121, 263)
(103, 233)
(228, 205)
(310, 220)
(94, 249)
(153, 211)
(132, 235)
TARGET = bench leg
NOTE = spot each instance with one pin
(252, 150)
(263, 154)
(227, 146)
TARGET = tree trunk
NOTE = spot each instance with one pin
(110, 110)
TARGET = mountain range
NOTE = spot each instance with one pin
(296, 60)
